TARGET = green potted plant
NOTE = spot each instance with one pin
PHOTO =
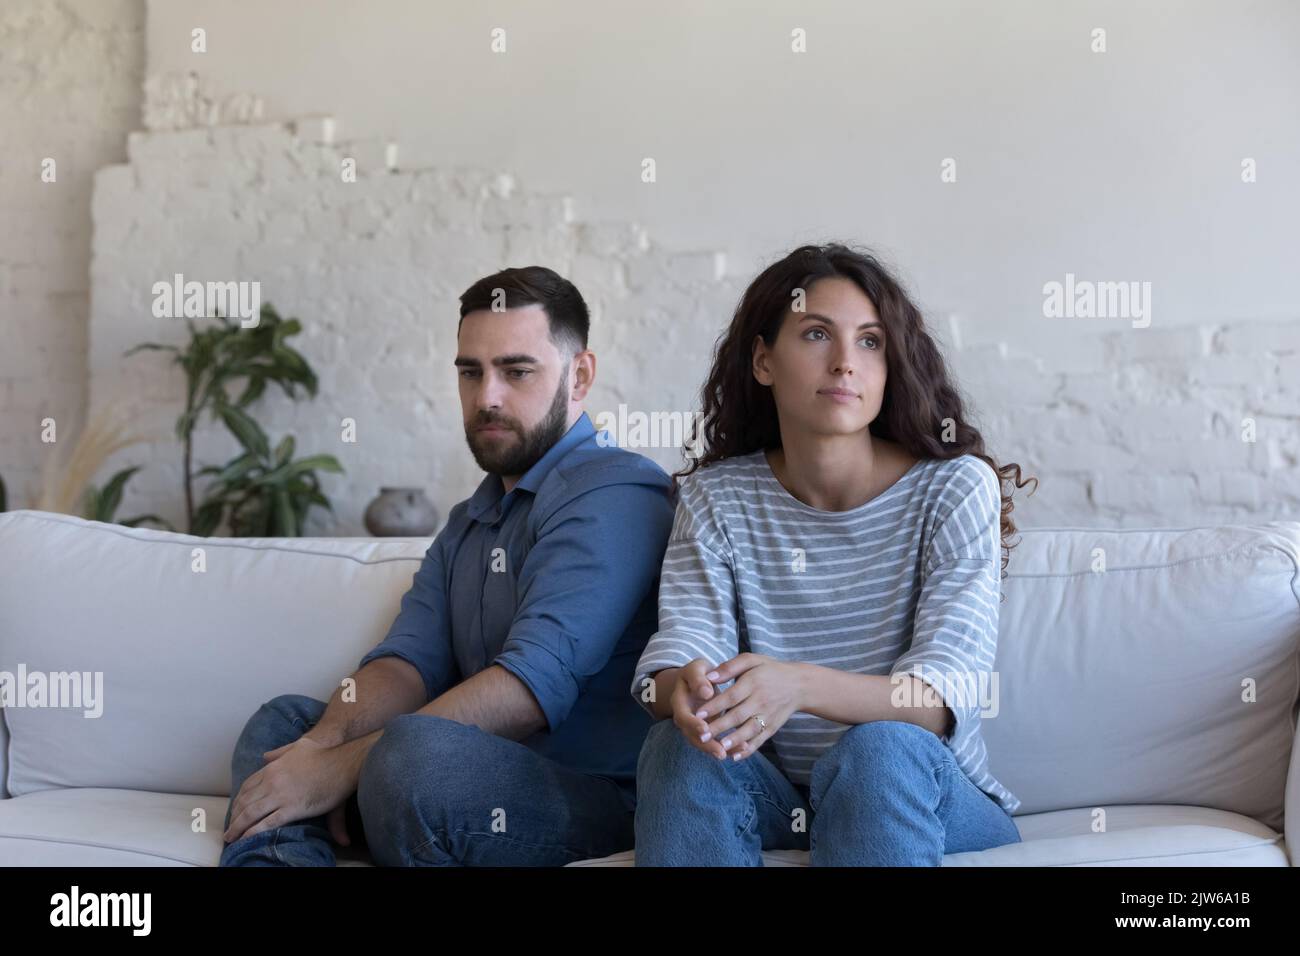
(262, 491)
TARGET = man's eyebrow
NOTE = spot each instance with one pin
(500, 360)
(824, 318)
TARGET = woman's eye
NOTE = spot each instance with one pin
(816, 332)
(875, 343)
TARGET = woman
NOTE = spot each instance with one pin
(829, 597)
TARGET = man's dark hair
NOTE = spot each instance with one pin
(534, 285)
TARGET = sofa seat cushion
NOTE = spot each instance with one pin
(91, 826)
(101, 827)
(1150, 835)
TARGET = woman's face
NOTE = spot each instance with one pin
(827, 366)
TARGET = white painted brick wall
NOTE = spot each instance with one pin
(373, 269)
(70, 75)
(1123, 426)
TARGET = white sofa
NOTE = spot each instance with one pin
(1146, 715)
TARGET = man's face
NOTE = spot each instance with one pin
(514, 388)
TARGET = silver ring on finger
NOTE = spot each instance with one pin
(762, 724)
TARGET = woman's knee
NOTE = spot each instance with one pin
(665, 752)
(883, 741)
(668, 760)
(873, 755)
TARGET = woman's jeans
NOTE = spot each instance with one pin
(434, 792)
(888, 793)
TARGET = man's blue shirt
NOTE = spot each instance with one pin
(557, 582)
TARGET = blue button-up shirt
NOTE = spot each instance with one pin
(558, 583)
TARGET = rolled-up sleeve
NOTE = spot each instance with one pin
(421, 632)
(595, 559)
(955, 631)
(697, 598)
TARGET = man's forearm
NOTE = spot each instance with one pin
(385, 688)
(494, 700)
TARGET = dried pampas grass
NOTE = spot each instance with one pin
(64, 483)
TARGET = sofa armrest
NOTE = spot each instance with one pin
(4, 756)
(1291, 803)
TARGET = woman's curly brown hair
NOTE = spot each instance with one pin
(921, 411)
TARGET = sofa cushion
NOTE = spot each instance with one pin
(1169, 677)
(4, 756)
(187, 656)
(1134, 836)
(94, 827)
(1117, 687)
(98, 827)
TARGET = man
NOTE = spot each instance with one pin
(492, 726)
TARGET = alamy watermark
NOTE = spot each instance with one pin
(55, 689)
(651, 430)
(196, 300)
(75, 908)
(960, 689)
(1098, 300)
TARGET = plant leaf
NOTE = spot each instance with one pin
(151, 347)
(90, 504)
(253, 391)
(313, 462)
(286, 521)
(236, 469)
(136, 522)
(284, 450)
(111, 496)
(246, 431)
(208, 517)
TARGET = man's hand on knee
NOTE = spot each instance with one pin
(300, 780)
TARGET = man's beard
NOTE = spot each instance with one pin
(500, 456)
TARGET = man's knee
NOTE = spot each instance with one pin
(415, 744)
(287, 714)
(413, 780)
(279, 721)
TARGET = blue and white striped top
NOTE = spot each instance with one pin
(906, 583)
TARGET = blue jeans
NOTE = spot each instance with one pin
(434, 792)
(888, 793)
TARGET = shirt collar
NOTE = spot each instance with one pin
(489, 494)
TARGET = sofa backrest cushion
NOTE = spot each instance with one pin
(186, 655)
(1170, 677)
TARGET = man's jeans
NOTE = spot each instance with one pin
(434, 792)
(888, 793)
